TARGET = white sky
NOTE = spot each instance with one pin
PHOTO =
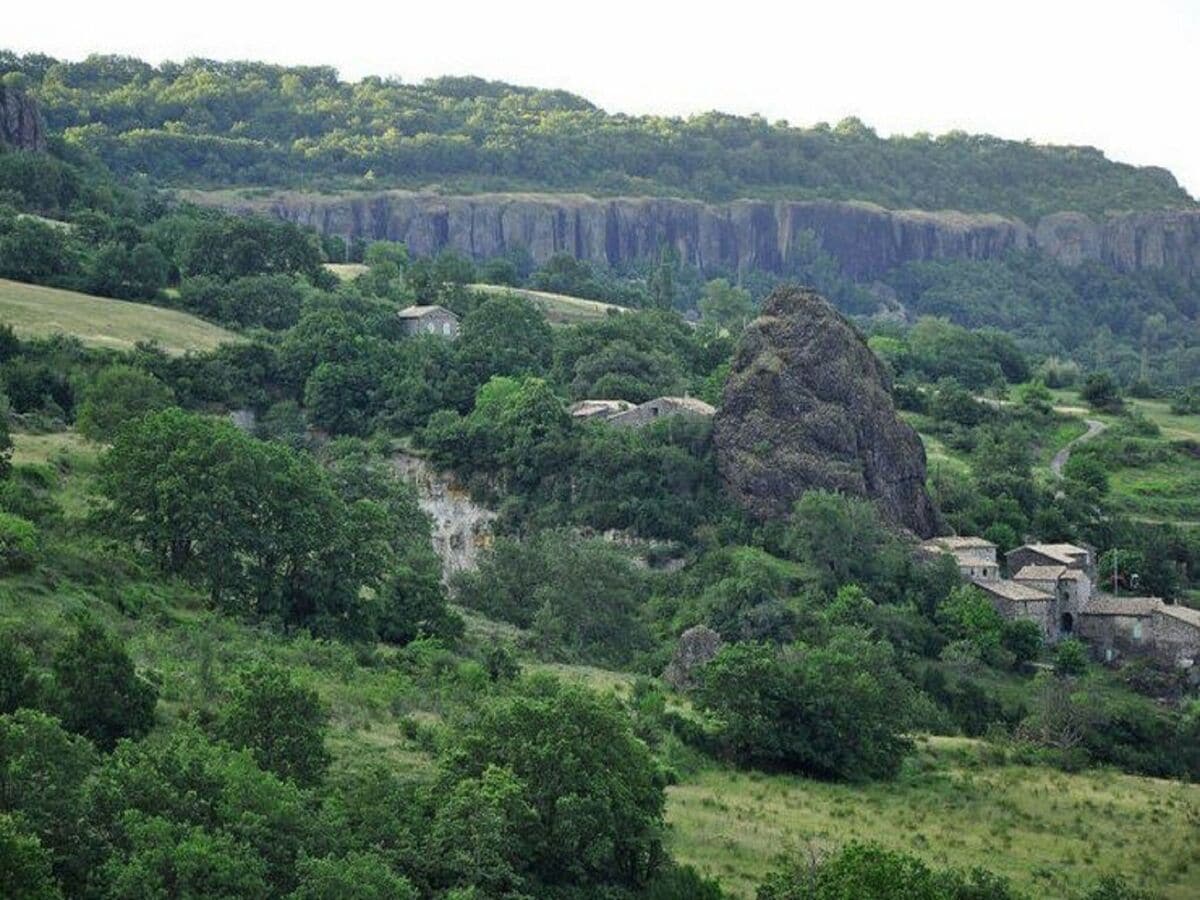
(1119, 76)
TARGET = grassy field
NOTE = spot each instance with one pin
(560, 309)
(347, 271)
(1050, 832)
(35, 311)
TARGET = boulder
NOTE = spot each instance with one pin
(808, 406)
(696, 647)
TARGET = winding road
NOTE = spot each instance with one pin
(1094, 427)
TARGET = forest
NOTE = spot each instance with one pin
(208, 122)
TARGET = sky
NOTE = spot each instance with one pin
(1118, 76)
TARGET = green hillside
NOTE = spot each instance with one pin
(255, 123)
(36, 311)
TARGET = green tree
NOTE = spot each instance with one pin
(726, 305)
(19, 686)
(356, 876)
(504, 335)
(119, 394)
(838, 711)
(24, 865)
(282, 723)
(596, 796)
(100, 694)
(1070, 657)
(1100, 392)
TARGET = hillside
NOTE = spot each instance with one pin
(35, 311)
(259, 124)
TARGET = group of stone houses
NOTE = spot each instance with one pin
(1054, 586)
(625, 414)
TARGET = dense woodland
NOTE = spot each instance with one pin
(249, 123)
(118, 780)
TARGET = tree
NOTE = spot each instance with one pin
(838, 711)
(596, 796)
(1023, 639)
(282, 723)
(1100, 392)
(18, 683)
(24, 865)
(1070, 657)
(356, 876)
(119, 394)
(869, 870)
(504, 335)
(43, 770)
(18, 543)
(725, 305)
(823, 525)
(100, 694)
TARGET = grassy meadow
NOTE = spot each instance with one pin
(560, 309)
(36, 311)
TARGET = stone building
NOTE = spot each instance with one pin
(429, 320)
(661, 407)
(1117, 627)
(1068, 555)
(1053, 585)
(975, 557)
(599, 409)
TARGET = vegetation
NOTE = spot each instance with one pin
(205, 121)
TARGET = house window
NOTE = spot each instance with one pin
(446, 328)
(1137, 631)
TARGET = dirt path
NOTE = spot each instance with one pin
(1094, 427)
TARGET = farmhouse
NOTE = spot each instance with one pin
(661, 407)
(429, 320)
(976, 557)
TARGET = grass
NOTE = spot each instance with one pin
(36, 311)
(1052, 833)
(347, 271)
(560, 309)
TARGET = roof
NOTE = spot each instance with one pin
(585, 408)
(1108, 605)
(1012, 590)
(1182, 613)
(1063, 553)
(691, 404)
(954, 542)
(1041, 573)
(420, 312)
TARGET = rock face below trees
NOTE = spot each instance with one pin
(808, 406)
(21, 123)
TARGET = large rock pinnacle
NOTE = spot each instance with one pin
(808, 406)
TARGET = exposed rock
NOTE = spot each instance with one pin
(808, 406)
(462, 529)
(21, 124)
(866, 240)
(1165, 239)
(697, 646)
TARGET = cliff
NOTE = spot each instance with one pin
(866, 240)
(808, 406)
(21, 124)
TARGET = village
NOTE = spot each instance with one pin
(1055, 586)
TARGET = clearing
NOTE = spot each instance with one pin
(560, 309)
(1049, 831)
(35, 311)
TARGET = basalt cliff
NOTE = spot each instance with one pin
(808, 406)
(866, 240)
(21, 124)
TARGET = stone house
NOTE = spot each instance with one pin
(1068, 555)
(975, 557)
(661, 407)
(1014, 600)
(429, 320)
(1117, 627)
(598, 409)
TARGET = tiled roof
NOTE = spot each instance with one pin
(419, 312)
(1041, 573)
(1182, 613)
(1012, 590)
(954, 542)
(689, 403)
(1063, 553)
(1108, 605)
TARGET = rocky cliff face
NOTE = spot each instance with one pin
(808, 406)
(866, 240)
(21, 124)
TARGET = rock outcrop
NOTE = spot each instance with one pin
(21, 124)
(462, 529)
(808, 406)
(866, 240)
(697, 647)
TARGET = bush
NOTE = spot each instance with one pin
(1070, 657)
(120, 394)
(281, 723)
(18, 544)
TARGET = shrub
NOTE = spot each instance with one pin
(1070, 657)
(18, 544)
